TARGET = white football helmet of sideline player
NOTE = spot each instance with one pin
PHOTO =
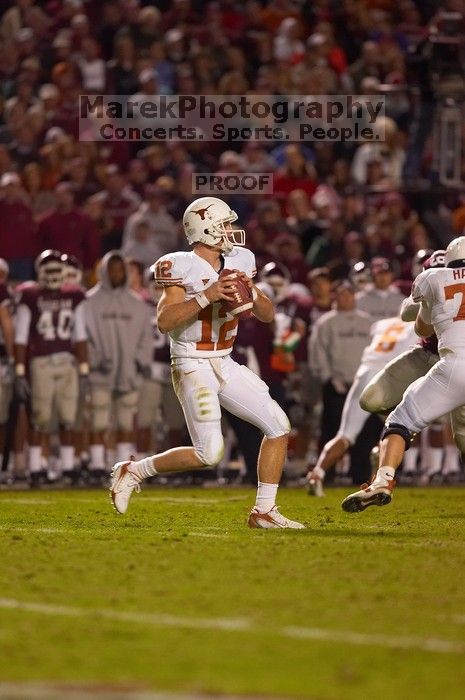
(455, 253)
(204, 222)
(50, 269)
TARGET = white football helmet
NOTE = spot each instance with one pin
(455, 253)
(50, 269)
(204, 222)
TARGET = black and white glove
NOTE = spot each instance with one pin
(145, 371)
(104, 367)
(83, 379)
(22, 389)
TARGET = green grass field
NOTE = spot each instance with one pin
(179, 595)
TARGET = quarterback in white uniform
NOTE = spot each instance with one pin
(441, 294)
(202, 332)
(390, 337)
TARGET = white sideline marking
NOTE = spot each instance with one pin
(193, 501)
(429, 644)
(68, 530)
(28, 501)
(169, 500)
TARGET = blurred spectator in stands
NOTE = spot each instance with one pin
(288, 46)
(122, 75)
(18, 233)
(69, 230)
(327, 248)
(138, 175)
(150, 232)
(40, 200)
(269, 220)
(82, 181)
(296, 173)
(92, 66)
(301, 218)
(391, 154)
(163, 68)
(381, 299)
(289, 252)
(119, 201)
(369, 64)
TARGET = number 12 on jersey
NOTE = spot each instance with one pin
(206, 341)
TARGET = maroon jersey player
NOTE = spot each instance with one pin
(50, 335)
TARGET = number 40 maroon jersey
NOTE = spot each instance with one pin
(49, 321)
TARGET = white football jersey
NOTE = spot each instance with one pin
(212, 332)
(442, 290)
(390, 338)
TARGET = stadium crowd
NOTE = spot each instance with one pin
(342, 228)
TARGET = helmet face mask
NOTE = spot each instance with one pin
(419, 260)
(278, 277)
(50, 269)
(72, 270)
(455, 253)
(208, 220)
(360, 275)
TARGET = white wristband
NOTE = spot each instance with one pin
(254, 293)
(202, 300)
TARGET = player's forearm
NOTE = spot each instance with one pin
(263, 307)
(80, 351)
(20, 355)
(169, 316)
(409, 309)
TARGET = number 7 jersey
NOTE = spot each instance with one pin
(442, 291)
(212, 332)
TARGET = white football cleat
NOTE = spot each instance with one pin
(378, 493)
(123, 483)
(272, 520)
(315, 486)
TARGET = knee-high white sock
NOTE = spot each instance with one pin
(67, 457)
(451, 460)
(266, 496)
(97, 457)
(143, 468)
(410, 460)
(433, 460)
(35, 458)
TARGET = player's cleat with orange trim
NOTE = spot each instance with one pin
(377, 493)
(272, 520)
(123, 483)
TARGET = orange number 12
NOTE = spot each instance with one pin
(206, 341)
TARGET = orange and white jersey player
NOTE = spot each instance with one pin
(205, 378)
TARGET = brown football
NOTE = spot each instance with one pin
(241, 307)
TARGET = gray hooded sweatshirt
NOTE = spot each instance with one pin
(118, 326)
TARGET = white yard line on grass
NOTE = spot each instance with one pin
(169, 500)
(428, 644)
(27, 501)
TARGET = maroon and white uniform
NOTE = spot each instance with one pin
(5, 368)
(48, 322)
